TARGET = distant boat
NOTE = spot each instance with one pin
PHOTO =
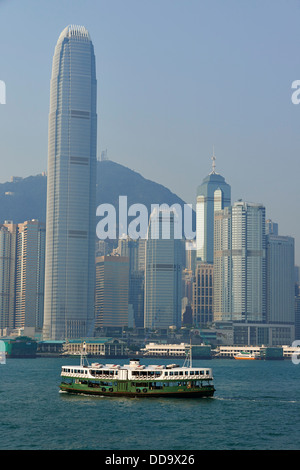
(246, 355)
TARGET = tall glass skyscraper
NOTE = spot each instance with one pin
(163, 271)
(240, 263)
(71, 190)
(280, 279)
(212, 195)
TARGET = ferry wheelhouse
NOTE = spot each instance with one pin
(137, 380)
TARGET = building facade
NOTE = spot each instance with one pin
(203, 295)
(8, 248)
(22, 268)
(30, 272)
(132, 250)
(71, 189)
(280, 279)
(240, 263)
(163, 272)
(112, 291)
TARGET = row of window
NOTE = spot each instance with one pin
(141, 373)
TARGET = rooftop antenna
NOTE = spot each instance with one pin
(213, 172)
(104, 156)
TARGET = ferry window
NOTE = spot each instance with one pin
(166, 373)
(207, 372)
(196, 372)
(186, 372)
(201, 372)
(191, 372)
(175, 373)
(171, 373)
(180, 373)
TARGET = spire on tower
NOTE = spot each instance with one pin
(213, 172)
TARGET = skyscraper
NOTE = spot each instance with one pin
(70, 223)
(280, 279)
(132, 249)
(163, 272)
(30, 271)
(203, 295)
(112, 289)
(240, 263)
(212, 195)
(8, 248)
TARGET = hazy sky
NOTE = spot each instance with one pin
(175, 77)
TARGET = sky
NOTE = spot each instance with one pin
(175, 79)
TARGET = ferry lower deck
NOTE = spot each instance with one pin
(173, 388)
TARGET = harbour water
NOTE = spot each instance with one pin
(256, 407)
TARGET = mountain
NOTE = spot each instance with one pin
(25, 198)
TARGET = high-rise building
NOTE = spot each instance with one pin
(111, 293)
(163, 271)
(30, 270)
(203, 295)
(271, 227)
(71, 188)
(240, 263)
(134, 250)
(22, 262)
(8, 247)
(280, 279)
(212, 195)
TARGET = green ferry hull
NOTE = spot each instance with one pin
(142, 392)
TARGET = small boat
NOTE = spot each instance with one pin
(246, 355)
(137, 380)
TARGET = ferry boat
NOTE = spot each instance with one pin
(246, 355)
(137, 380)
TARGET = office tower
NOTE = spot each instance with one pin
(112, 287)
(163, 271)
(280, 279)
(203, 295)
(271, 227)
(187, 285)
(8, 239)
(70, 223)
(213, 194)
(240, 263)
(102, 248)
(133, 249)
(30, 269)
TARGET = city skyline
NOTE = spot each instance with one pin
(171, 96)
(149, 198)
